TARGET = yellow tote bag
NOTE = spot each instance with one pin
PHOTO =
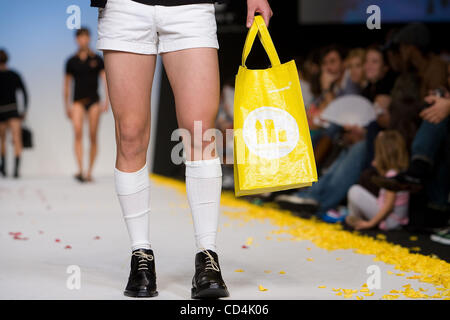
(272, 143)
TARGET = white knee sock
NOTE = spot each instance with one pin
(203, 187)
(133, 190)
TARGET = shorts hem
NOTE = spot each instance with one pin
(188, 43)
(126, 46)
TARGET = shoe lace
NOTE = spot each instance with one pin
(143, 259)
(211, 264)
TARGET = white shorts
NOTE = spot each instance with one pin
(126, 25)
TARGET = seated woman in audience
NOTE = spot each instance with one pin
(390, 210)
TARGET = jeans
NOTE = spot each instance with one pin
(332, 187)
(431, 144)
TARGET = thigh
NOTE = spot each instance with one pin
(129, 78)
(78, 112)
(194, 77)
(94, 117)
(16, 127)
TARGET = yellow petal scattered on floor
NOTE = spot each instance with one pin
(261, 288)
(364, 285)
(430, 268)
(359, 298)
(338, 259)
(249, 241)
(413, 238)
(407, 286)
(347, 296)
(339, 294)
(413, 277)
(381, 236)
(310, 259)
(321, 287)
(369, 294)
(400, 274)
(282, 272)
(309, 249)
(415, 249)
(390, 272)
(238, 270)
(394, 291)
(364, 290)
(267, 271)
(423, 290)
(336, 290)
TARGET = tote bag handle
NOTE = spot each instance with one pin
(259, 27)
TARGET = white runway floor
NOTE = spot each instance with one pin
(88, 219)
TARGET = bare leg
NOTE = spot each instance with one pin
(130, 77)
(3, 127)
(16, 128)
(94, 117)
(194, 77)
(77, 121)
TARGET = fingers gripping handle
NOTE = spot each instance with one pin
(259, 27)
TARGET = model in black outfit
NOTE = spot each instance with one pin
(83, 70)
(10, 117)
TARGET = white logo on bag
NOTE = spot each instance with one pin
(281, 89)
(270, 132)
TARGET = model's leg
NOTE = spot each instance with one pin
(94, 117)
(129, 78)
(3, 127)
(77, 121)
(194, 77)
(16, 129)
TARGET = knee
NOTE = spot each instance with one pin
(352, 194)
(132, 139)
(78, 134)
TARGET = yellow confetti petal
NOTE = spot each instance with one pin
(249, 241)
(338, 259)
(310, 259)
(415, 249)
(335, 290)
(261, 288)
(309, 249)
(390, 272)
(339, 294)
(321, 287)
(369, 294)
(238, 270)
(381, 236)
(364, 285)
(347, 296)
(400, 274)
(359, 298)
(282, 272)
(394, 291)
(364, 290)
(413, 238)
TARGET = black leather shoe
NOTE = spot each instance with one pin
(142, 280)
(207, 282)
